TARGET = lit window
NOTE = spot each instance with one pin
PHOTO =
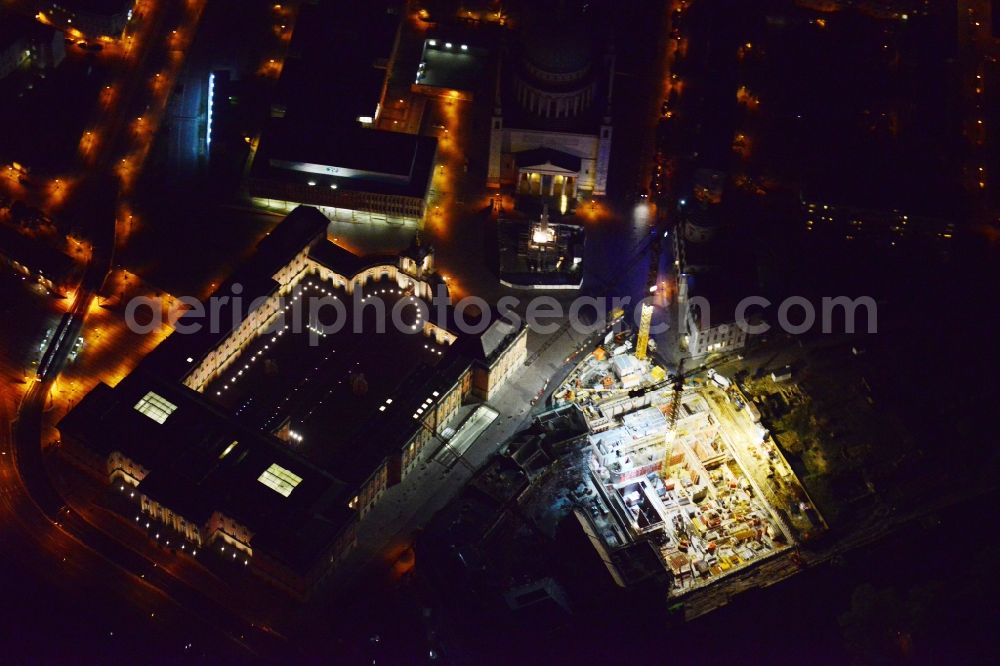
(155, 407)
(280, 480)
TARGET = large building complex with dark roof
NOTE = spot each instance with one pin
(351, 174)
(551, 130)
(324, 154)
(264, 434)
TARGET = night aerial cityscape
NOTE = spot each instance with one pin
(499, 331)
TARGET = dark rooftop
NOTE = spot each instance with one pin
(558, 36)
(540, 156)
(457, 68)
(343, 260)
(203, 460)
(352, 158)
(312, 380)
(723, 291)
(301, 227)
(332, 58)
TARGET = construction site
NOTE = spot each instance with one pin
(678, 464)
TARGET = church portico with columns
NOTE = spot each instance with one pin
(547, 172)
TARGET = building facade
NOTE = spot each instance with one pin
(722, 338)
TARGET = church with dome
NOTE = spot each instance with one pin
(551, 127)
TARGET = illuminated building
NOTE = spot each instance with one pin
(542, 237)
(551, 130)
(272, 442)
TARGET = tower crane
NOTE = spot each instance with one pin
(646, 314)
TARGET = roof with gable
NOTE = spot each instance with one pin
(540, 157)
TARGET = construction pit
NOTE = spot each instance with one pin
(683, 468)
